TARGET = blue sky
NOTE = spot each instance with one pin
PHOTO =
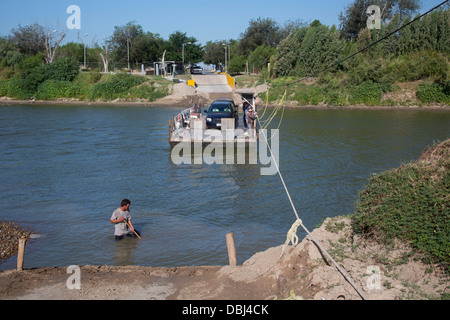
(203, 19)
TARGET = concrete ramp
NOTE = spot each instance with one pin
(212, 83)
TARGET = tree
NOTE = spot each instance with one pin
(29, 39)
(215, 52)
(50, 53)
(320, 47)
(192, 52)
(291, 26)
(131, 39)
(354, 18)
(9, 53)
(260, 31)
(105, 58)
(122, 41)
(260, 57)
(236, 64)
(147, 47)
(71, 49)
(287, 52)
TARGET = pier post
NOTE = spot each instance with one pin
(231, 249)
(170, 130)
(20, 254)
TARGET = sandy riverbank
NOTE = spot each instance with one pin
(301, 273)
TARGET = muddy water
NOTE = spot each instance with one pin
(64, 170)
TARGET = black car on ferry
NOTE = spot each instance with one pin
(220, 109)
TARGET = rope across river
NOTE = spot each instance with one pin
(292, 232)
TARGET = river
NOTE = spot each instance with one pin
(65, 169)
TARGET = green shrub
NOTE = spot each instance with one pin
(30, 78)
(410, 203)
(113, 87)
(335, 98)
(416, 66)
(431, 92)
(64, 69)
(95, 76)
(31, 62)
(368, 93)
(305, 95)
(146, 91)
(19, 89)
(53, 89)
(4, 84)
(366, 70)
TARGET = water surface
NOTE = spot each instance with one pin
(65, 169)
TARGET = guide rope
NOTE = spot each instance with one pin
(292, 233)
(299, 222)
(291, 236)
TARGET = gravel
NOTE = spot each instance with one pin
(10, 233)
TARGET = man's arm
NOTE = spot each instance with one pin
(114, 221)
(130, 224)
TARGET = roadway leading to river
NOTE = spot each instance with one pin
(210, 82)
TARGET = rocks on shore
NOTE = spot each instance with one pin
(10, 233)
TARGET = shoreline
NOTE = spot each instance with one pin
(187, 101)
(301, 273)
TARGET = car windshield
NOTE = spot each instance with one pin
(220, 108)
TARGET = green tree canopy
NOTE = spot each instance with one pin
(193, 52)
(29, 39)
(143, 46)
(260, 31)
(354, 18)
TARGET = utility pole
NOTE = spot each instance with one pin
(182, 46)
(128, 52)
(84, 43)
(226, 57)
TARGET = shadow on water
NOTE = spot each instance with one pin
(125, 251)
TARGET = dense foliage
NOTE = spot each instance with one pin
(418, 52)
(411, 204)
(32, 74)
(280, 54)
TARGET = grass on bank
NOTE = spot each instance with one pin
(412, 204)
(95, 86)
(91, 86)
(336, 92)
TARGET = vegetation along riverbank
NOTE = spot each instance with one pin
(302, 64)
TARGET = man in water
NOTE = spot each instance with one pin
(121, 218)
